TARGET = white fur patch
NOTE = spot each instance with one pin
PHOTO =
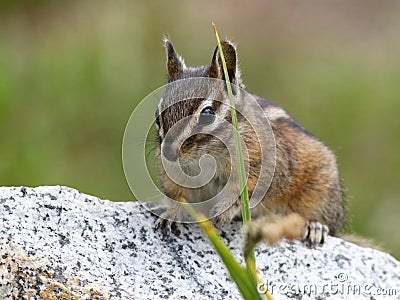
(160, 129)
(274, 113)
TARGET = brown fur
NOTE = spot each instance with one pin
(306, 179)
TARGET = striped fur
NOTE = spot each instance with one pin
(305, 179)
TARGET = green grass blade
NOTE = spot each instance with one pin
(245, 283)
(244, 194)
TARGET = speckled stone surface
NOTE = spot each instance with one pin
(57, 242)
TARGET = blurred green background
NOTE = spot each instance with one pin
(71, 72)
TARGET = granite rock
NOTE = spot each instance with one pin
(58, 243)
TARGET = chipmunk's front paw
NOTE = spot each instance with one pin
(221, 216)
(222, 219)
(167, 227)
(315, 234)
(166, 222)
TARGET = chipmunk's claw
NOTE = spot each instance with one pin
(315, 234)
(167, 227)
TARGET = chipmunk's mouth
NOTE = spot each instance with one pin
(191, 173)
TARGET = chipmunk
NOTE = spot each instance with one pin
(305, 178)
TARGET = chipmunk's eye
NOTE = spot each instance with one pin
(207, 116)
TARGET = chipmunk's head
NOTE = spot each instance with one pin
(194, 111)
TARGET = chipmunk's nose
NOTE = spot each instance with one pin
(170, 153)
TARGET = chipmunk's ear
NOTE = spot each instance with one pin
(216, 69)
(175, 63)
